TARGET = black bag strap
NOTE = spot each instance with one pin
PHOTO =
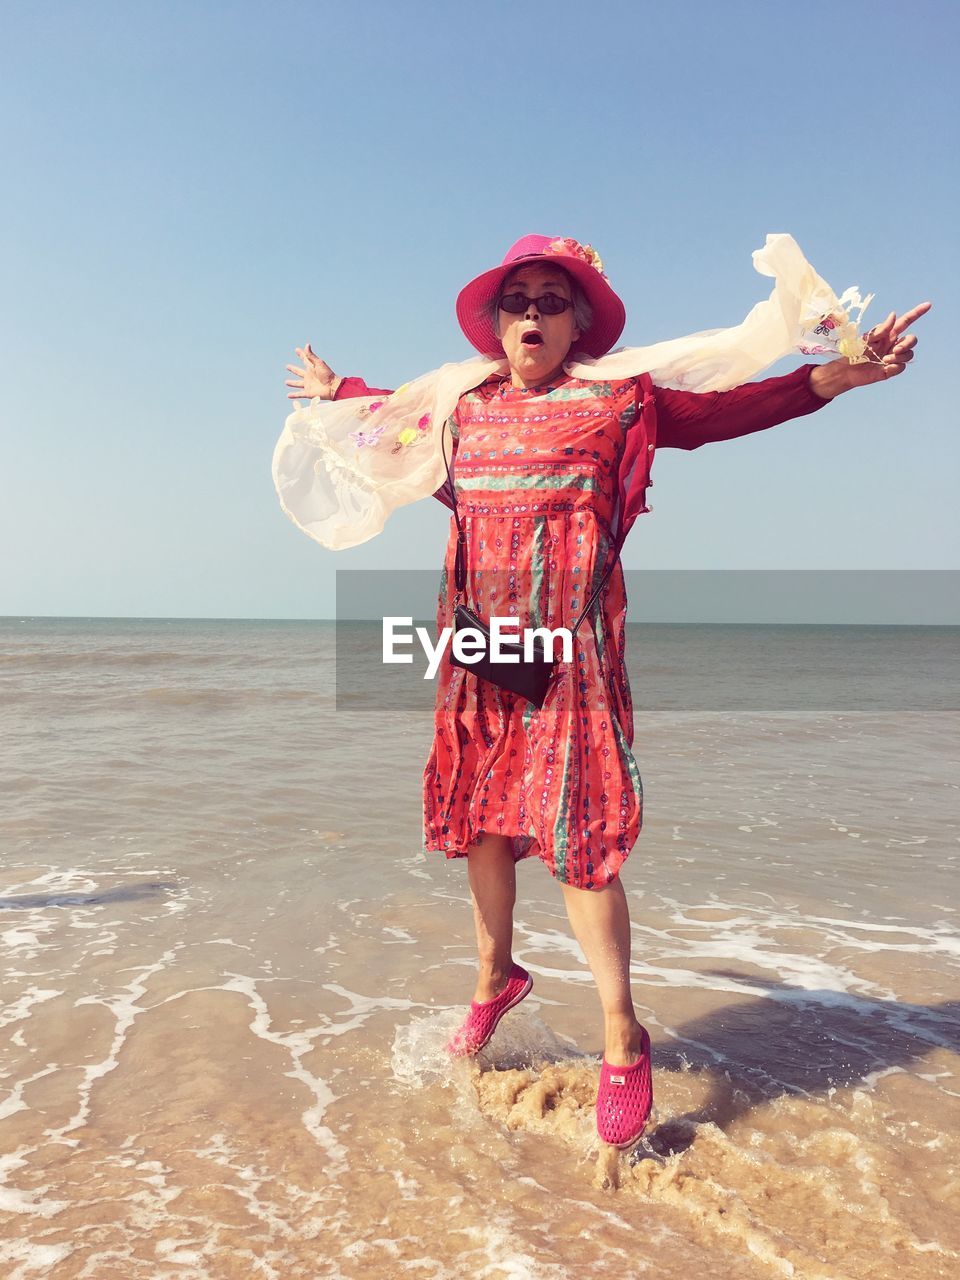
(460, 561)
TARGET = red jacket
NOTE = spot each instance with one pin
(677, 420)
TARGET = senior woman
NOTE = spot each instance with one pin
(552, 455)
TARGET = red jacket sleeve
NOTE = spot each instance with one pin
(351, 387)
(688, 419)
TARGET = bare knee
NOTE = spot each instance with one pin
(492, 846)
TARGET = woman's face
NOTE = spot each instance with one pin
(536, 345)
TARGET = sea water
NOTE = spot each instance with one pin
(229, 971)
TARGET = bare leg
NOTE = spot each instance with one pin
(493, 889)
(601, 922)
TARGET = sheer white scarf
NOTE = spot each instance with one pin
(341, 467)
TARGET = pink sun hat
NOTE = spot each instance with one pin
(581, 261)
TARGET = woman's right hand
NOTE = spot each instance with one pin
(316, 380)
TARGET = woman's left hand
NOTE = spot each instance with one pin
(889, 348)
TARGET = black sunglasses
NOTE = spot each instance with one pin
(549, 304)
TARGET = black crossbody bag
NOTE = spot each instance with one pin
(529, 677)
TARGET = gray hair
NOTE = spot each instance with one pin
(582, 310)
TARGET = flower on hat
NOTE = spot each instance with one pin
(569, 248)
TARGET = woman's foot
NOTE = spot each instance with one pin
(481, 1022)
(490, 983)
(625, 1097)
(623, 1041)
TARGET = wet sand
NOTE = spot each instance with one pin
(229, 974)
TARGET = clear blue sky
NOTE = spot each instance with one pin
(194, 189)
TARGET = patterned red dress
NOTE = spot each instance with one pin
(537, 474)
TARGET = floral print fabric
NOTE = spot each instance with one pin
(536, 482)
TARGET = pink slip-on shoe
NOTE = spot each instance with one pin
(625, 1099)
(481, 1021)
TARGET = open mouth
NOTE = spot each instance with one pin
(534, 338)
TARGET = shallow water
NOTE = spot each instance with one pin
(229, 973)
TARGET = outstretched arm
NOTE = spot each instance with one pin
(357, 387)
(349, 387)
(317, 380)
(686, 419)
(689, 419)
(889, 350)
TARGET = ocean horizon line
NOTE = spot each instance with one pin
(659, 622)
